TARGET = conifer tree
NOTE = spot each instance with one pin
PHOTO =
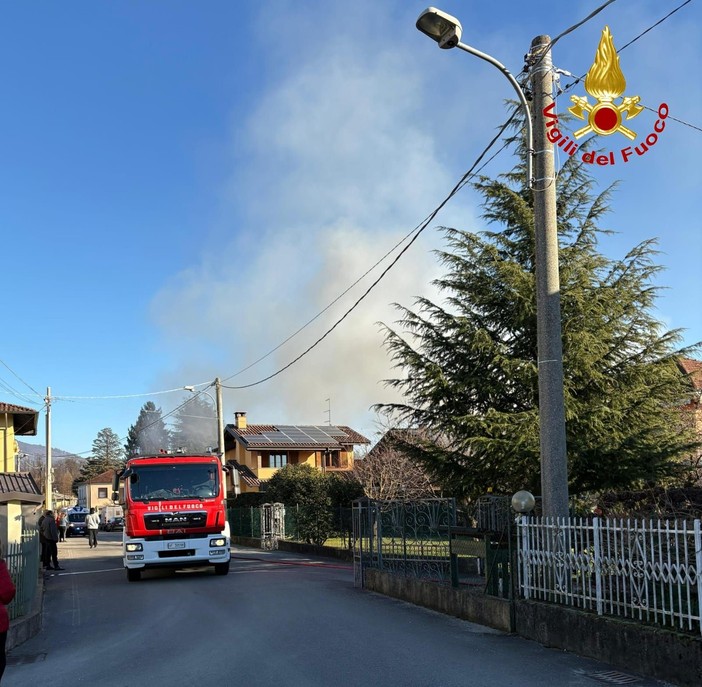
(107, 454)
(195, 424)
(467, 366)
(149, 434)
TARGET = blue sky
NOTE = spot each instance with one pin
(186, 184)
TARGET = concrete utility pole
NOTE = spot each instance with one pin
(48, 483)
(220, 438)
(554, 459)
(446, 30)
(220, 421)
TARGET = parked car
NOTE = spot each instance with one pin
(114, 524)
(76, 525)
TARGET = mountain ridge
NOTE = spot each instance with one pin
(39, 451)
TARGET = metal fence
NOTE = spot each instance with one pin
(409, 538)
(23, 564)
(246, 522)
(647, 570)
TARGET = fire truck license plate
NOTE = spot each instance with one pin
(176, 544)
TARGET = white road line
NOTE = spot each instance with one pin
(83, 572)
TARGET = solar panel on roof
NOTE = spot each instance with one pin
(259, 438)
(274, 437)
(319, 435)
(294, 433)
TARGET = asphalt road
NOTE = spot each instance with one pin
(276, 619)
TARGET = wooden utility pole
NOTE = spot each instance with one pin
(554, 460)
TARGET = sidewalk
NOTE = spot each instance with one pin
(70, 553)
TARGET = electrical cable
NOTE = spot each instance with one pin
(578, 25)
(633, 40)
(365, 274)
(94, 398)
(417, 230)
(321, 312)
(175, 410)
(550, 45)
(653, 26)
(14, 391)
(462, 182)
(414, 233)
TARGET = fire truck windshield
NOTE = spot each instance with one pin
(149, 482)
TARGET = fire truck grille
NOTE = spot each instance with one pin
(168, 521)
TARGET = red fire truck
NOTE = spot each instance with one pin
(174, 513)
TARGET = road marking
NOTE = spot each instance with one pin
(311, 564)
(82, 572)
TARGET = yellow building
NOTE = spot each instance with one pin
(257, 452)
(20, 497)
(14, 421)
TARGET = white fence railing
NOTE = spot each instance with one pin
(649, 570)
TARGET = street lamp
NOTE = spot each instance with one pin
(446, 31)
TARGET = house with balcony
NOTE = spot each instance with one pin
(256, 452)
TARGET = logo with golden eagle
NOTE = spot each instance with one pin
(605, 82)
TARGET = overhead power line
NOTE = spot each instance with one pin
(14, 391)
(653, 26)
(464, 179)
(578, 79)
(414, 234)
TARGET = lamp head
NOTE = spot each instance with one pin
(523, 502)
(440, 27)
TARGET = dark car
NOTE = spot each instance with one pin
(76, 525)
(114, 524)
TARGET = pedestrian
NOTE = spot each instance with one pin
(63, 525)
(50, 531)
(42, 539)
(92, 522)
(7, 593)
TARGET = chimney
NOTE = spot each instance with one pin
(240, 419)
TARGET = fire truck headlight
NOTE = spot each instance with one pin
(220, 541)
(135, 547)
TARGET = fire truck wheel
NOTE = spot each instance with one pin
(133, 575)
(221, 568)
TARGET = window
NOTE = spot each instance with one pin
(102, 492)
(274, 460)
(332, 459)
